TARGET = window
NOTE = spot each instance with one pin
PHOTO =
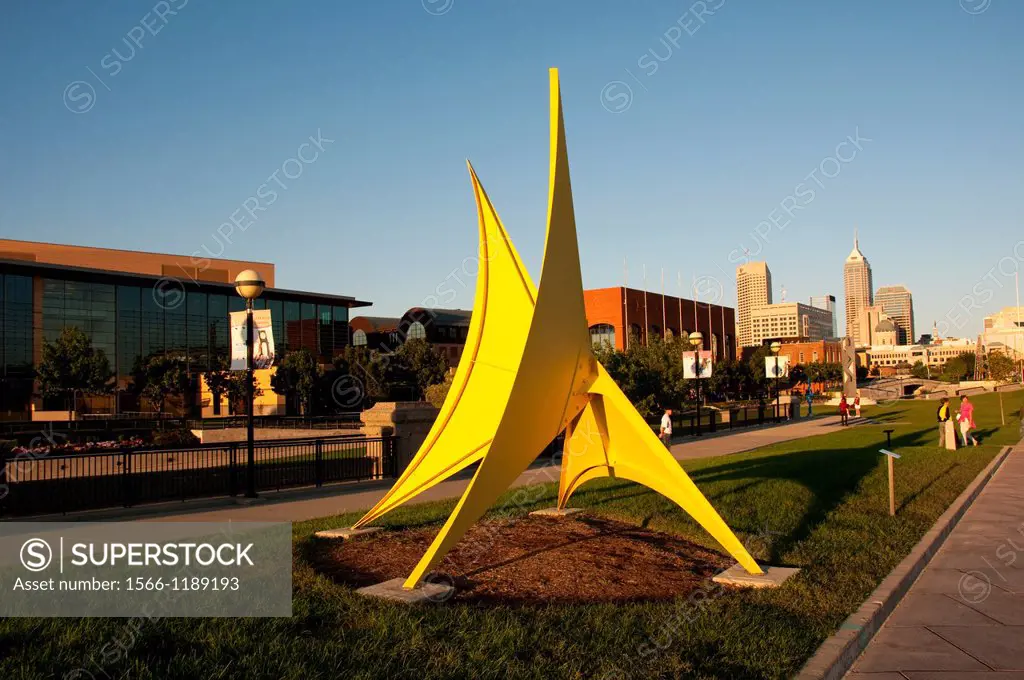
(129, 329)
(341, 329)
(359, 338)
(416, 330)
(16, 325)
(309, 334)
(198, 331)
(325, 331)
(602, 334)
(292, 328)
(217, 320)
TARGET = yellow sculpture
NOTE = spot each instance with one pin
(527, 374)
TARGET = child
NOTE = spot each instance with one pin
(856, 405)
(844, 411)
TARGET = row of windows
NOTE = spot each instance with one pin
(132, 322)
(15, 325)
(604, 334)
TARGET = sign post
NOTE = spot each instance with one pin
(890, 456)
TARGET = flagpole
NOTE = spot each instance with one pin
(646, 326)
(696, 299)
(711, 332)
(625, 305)
(679, 282)
(722, 307)
(1016, 286)
(663, 324)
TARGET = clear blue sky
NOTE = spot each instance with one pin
(729, 114)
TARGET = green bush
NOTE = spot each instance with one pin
(175, 439)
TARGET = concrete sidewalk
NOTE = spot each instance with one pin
(964, 617)
(304, 504)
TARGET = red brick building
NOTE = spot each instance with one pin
(822, 351)
(610, 311)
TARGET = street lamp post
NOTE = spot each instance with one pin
(697, 342)
(775, 347)
(250, 286)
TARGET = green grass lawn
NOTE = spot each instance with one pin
(820, 504)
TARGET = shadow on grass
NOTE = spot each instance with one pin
(912, 497)
(829, 475)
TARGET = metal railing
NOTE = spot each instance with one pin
(738, 417)
(347, 421)
(47, 484)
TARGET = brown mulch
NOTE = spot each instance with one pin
(533, 560)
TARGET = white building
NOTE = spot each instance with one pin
(789, 322)
(1004, 332)
(933, 356)
(828, 303)
(753, 289)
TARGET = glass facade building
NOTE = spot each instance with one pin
(131, 318)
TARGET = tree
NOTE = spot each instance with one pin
(296, 378)
(217, 381)
(237, 395)
(436, 394)
(419, 362)
(955, 369)
(1000, 367)
(875, 371)
(969, 360)
(919, 370)
(71, 364)
(160, 377)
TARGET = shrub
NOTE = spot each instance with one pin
(175, 439)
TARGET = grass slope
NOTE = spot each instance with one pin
(819, 503)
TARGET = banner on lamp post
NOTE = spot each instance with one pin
(781, 371)
(262, 340)
(690, 364)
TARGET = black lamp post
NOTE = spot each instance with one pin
(697, 342)
(250, 286)
(775, 347)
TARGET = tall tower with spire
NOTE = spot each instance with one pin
(858, 284)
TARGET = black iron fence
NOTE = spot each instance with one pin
(347, 421)
(726, 419)
(46, 484)
(23, 431)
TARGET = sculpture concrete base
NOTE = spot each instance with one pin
(347, 532)
(773, 577)
(555, 512)
(423, 593)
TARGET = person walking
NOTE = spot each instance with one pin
(666, 428)
(844, 411)
(856, 405)
(966, 419)
(943, 417)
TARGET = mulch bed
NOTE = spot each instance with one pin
(533, 560)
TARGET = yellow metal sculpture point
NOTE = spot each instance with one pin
(528, 373)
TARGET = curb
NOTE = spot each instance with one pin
(836, 655)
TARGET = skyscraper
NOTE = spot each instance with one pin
(857, 282)
(753, 289)
(898, 303)
(828, 303)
